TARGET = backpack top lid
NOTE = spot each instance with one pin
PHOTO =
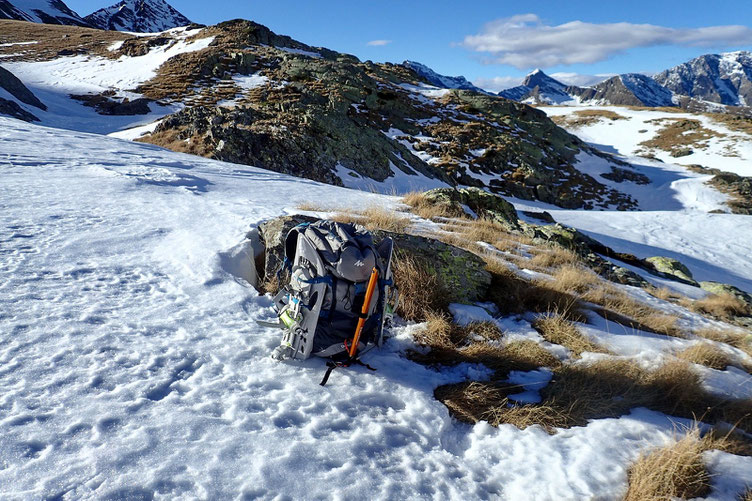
(347, 250)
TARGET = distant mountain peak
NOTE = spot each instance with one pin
(140, 16)
(40, 11)
(443, 81)
(537, 78)
(538, 88)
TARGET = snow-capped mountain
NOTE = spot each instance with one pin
(632, 89)
(441, 81)
(628, 89)
(140, 16)
(538, 88)
(40, 11)
(720, 78)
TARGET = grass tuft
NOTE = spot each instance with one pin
(558, 330)
(376, 218)
(673, 471)
(706, 354)
(421, 293)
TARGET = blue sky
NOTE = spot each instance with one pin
(495, 43)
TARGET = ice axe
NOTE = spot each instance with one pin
(361, 322)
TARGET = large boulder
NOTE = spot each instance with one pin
(462, 273)
(17, 89)
(672, 268)
(720, 289)
(483, 203)
(11, 108)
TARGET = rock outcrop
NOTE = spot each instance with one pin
(17, 89)
(269, 101)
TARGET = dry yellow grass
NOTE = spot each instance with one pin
(474, 401)
(426, 209)
(706, 354)
(679, 135)
(309, 207)
(724, 306)
(737, 338)
(376, 218)
(556, 329)
(673, 471)
(553, 257)
(578, 393)
(478, 230)
(664, 293)
(625, 310)
(587, 117)
(451, 344)
(421, 292)
(575, 279)
(513, 294)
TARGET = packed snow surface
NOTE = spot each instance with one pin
(131, 367)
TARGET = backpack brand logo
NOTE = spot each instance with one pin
(359, 263)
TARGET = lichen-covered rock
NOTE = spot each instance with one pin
(462, 273)
(483, 203)
(671, 267)
(720, 289)
(627, 277)
(569, 238)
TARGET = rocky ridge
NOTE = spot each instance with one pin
(438, 80)
(140, 16)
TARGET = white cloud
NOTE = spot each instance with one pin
(580, 79)
(379, 43)
(524, 41)
(497, 84)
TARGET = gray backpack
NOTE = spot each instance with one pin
(329, 266)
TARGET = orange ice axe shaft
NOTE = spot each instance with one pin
(366, 307)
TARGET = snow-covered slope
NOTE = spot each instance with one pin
(139, 16)
(131, 368)
(54, 81)
(40, 11)
(539, 88)
(720, 78)
(724, 149)
(440, 81)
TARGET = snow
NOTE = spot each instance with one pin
(426, 90)
(135, 132)
(87, 74)
(300, 52)
(729, 475)
(399, 182)
(18, 43)
(130, 365)
(250, 81)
